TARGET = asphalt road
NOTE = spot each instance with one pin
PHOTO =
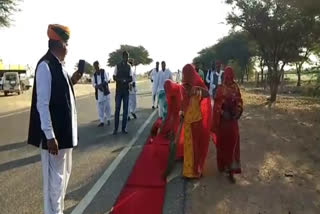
(20, 168)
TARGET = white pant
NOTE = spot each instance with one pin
(132, 103)
(56, 171)
(154, 97)
(104, 109)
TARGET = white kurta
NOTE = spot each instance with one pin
(56, 170)
(178, 77)
(163, 76)
(210, 79)
(133, 94)
(103, 102)
(155, 84)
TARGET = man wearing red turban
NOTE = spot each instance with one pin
(53, 119)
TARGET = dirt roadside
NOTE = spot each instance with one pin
(280, 154)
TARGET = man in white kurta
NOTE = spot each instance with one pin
(56, 169)
(53, 87)
(155, 83)
(133, 95)
(101, 79)
(164, 74)
(178, 77)
(214, 78)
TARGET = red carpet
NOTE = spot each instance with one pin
(145, 187)
(134, 200)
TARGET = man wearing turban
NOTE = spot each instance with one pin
(53, 119)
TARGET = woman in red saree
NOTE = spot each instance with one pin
(172, 121)
(166, 131)
(169, 126)
(227, 110)
(196, 111)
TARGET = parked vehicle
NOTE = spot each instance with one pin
(1, 84)
(25, 82)
(11, 83)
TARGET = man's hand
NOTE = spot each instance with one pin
(53, 146)
(100, 86)
(76, 77)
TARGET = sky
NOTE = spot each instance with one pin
(171, 30)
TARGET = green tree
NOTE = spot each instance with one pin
(205, 58)
(278, 29)
(7, 8)
(309, 45)
(236, 47)
(139, 54)
(308, 7)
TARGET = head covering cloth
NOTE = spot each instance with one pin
(58, 32)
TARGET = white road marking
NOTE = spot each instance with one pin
(84, 203)
(14, 113)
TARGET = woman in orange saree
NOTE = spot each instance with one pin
(227, 110)
(196, 112)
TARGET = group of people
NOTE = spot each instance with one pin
(204, 109)
(125, 92)
(191, 112)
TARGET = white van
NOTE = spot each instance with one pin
(11, 83)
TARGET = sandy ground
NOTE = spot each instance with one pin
(280, 154)
(18, 102)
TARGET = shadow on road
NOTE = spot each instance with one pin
(144, 94)
(9, 95)
(77, 194)
(19, 163)
(13, 146)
